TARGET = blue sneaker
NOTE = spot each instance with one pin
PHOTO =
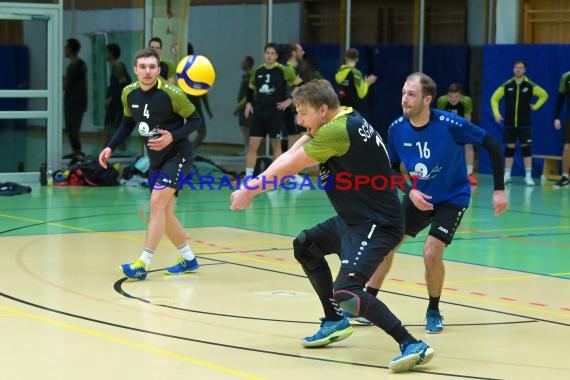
(354, 318)
(183, 266)
(434, 322)
(136, 270)
(413, 354)
(330, 332)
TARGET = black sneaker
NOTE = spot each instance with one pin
(561, 183)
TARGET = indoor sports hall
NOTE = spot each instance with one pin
(67, 311)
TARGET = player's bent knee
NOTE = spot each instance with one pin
(307, 253)
(349, 293)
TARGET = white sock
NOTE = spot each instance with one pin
(248, 172)
(146, 256)
(507, 172)
(186, 251)
(528, 172)
(566, 175)
(469, 169)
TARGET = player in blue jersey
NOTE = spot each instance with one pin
(367, 227)
(429, 143)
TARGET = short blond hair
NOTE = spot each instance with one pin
(316, 93)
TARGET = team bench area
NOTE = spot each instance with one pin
(550, 169)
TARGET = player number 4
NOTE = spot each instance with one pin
(145, 111)
(424, 152)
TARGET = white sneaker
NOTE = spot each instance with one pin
(508, 179)
(529, 181)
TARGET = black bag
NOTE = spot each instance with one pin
(13, 188)
(90, 173)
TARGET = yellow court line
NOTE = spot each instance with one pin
(417, 288)
(133, 344)
(8, 315)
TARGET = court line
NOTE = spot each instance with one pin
(130, 343)
(408, 287)
(224, 345)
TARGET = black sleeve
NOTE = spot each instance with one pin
(249, 95)
(123, 132)
(559, 104)
(192, 123)
(397, 172)
(494, 149)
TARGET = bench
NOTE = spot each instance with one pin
(550, 169)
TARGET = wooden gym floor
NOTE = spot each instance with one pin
(67, 313)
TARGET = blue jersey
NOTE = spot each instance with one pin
(435, 153)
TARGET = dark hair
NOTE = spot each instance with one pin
(316, 93)
(291, 48)
(520, 61)
(249, 60)
(189, 49)
(73, 45)
(428, 85)
(271, 45)
(155, 39)
(351, 54)
(145, 53)
(115, 50)
(455, 87)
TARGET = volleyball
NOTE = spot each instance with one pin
(195, 74)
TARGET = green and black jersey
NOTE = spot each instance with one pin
(518, 100)
(462, 108)
(346, 147)
(351, 86)
(271, 86)
(164, 106)
(563, 91)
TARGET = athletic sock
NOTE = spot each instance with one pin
(528, 172)
(372, 291)
(186, 251)
(433, 303)
(146, 256)
(469, 169)
(248, 172)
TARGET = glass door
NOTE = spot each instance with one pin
(30, 90)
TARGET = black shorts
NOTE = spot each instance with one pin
(291, 128)
(361, 247)
(523, 134)
(444, 220)
(270, 124)
(566, 127)
(171, 173)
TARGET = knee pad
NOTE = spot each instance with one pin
(526, 150)
(307, 253)
(509, 152)
(349, 292)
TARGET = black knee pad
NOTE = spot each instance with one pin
(509, 152)
(307, 253)
(349, 292)
(526, 151)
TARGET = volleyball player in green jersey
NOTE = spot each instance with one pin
(564, 91)
(454, 101)
(165, 117)
(352, 85)
(368, 222)
(267, 100)
(519, 93)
